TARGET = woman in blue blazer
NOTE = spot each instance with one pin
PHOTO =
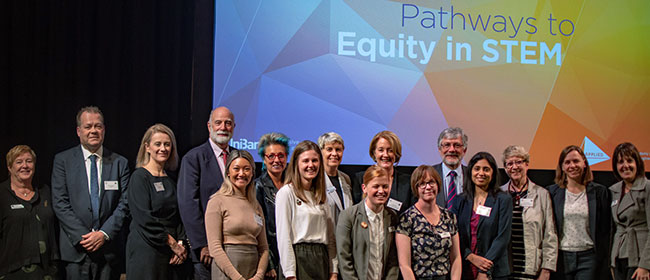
(583, 219)
(484, 215)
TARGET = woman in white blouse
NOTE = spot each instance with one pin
(583, 219)
(304, 224)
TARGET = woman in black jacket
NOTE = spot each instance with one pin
(484, 215)
(582, 217)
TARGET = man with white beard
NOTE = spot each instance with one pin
(452, 145)
(201, 174)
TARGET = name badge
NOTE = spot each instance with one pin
(17, 206)
(483, 211)
(526, 202)
(445, 234)
(391, 229)
(258, 220)
(111, 186)
(159, 186)
(614, 203)
(394, 204)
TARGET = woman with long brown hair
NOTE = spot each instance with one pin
(304, 224)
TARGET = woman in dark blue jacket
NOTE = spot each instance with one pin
(583, 219)
(484, 215)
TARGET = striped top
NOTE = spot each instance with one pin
(517, 239)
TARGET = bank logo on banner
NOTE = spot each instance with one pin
(593, 153)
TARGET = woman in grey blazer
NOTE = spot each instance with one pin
(339, 194)
(363, 251)
(630, 208)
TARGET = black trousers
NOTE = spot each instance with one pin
(622, 271)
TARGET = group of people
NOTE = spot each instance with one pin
(303, 218)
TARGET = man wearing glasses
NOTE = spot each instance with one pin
(452, 145)
(201, 174)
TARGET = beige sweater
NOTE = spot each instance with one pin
(231, 219)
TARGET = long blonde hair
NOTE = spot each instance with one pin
(293, 174)
(144, 157)
(227, 188)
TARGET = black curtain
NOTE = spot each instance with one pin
(133, 59)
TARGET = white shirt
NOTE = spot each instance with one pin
(217, 153)
(298, 221)
(375, 255)
(87, 161)
(446, 178)
(575, 234)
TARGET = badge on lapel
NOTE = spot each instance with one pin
(364, 224)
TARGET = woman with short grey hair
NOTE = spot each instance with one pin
(339, 193)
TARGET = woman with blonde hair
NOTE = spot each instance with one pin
(305, 227)
(28, 226)
(155, 247)
(234, 223)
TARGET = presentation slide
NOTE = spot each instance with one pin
(541, 74)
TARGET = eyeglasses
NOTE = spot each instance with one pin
(514, 162)
(457, 146)
(278, 155)
(424, 185)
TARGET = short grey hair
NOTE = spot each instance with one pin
(451, 133)
(328, 138)
(515, 151)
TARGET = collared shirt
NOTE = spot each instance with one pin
(446, 178)
(299, 221)
(217, 154)
(88, 162)
(376, 242)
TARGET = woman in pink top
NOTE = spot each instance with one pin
(234, 224)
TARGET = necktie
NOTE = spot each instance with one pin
(94, 191)
(451, 189)
(224, 157)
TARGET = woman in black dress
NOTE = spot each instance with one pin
(155, 247)
(28, 227)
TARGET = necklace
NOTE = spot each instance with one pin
(25, 194)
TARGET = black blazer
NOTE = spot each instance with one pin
(493, 232)
(400, 190)
(265, 193)
(441, 199)
(600, 223)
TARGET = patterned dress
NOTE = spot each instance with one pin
(430, 244)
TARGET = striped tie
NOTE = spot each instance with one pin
(452, 189)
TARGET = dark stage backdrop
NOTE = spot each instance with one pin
(136, 60)
(141, 62)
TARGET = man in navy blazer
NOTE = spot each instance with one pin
(452, 145)
(201, 174)
(89, 197)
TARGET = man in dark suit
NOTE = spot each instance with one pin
(452, 145)
(201, 174)
(89, 196)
